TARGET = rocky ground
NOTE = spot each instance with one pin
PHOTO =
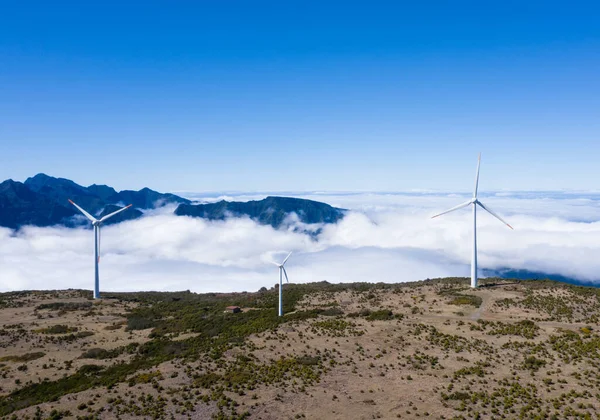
(433, 349)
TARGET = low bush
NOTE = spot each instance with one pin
(58, 329)
(27, 357)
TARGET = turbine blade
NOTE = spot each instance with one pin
(85, 213)
(113, 213)
(477, 176)
(273, 262)
(493, 214)
(286, 258)
(460, 206)
(286, 277)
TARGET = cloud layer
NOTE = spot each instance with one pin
(384, 237)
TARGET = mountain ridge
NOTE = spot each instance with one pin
(272, 210)
(42, 200)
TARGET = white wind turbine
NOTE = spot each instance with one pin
(282, 272)
(475, 202)
(96, 223)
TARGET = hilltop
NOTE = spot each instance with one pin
(435, 349)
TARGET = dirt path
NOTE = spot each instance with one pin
(485, 299)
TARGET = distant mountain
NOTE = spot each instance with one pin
(521, 274)
(103, 191)
(95, 197)
(147, 198)
(19, 205)
(61, 190)
(42, 200)
(269, 211)
(130, 214)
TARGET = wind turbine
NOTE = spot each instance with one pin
(96, 223)
(475, 202)
(282, 272)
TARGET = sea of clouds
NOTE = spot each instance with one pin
(385, 237)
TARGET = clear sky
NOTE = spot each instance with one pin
(302, 95)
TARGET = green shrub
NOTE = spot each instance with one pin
(58, 329)
(65, 306)
(27, 357)
(98, 353)
(466, 300)
(139, 323)
(332, 312)
(533, 363)
(381, 315)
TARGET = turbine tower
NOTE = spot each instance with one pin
(282, 272)
(475, 202)
(96, 223)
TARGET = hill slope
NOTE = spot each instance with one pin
(433, 349)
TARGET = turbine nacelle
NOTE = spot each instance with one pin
(283, 263)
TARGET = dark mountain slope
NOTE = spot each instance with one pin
(102, 191)
(146, 198)
(20, 206)
(43, 201)
(61, 190)
(130, 214)
(269, 211)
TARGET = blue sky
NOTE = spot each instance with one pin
(213, 96)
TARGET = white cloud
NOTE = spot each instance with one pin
(385, 237)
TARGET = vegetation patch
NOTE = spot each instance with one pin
(65, 306)
(534, 364)
(336, 328)
(466, 300)
(525, 328)
(139, 323)
(381, 315)
(377, 315)
(145, 378)
(98, 353)
(57, 329)
(573, 347)
(27, 357)
(460, 299)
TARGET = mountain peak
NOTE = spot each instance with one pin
(42, 181)
(102, 191)
(41, 175)
(20, 205)
(42, 200)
